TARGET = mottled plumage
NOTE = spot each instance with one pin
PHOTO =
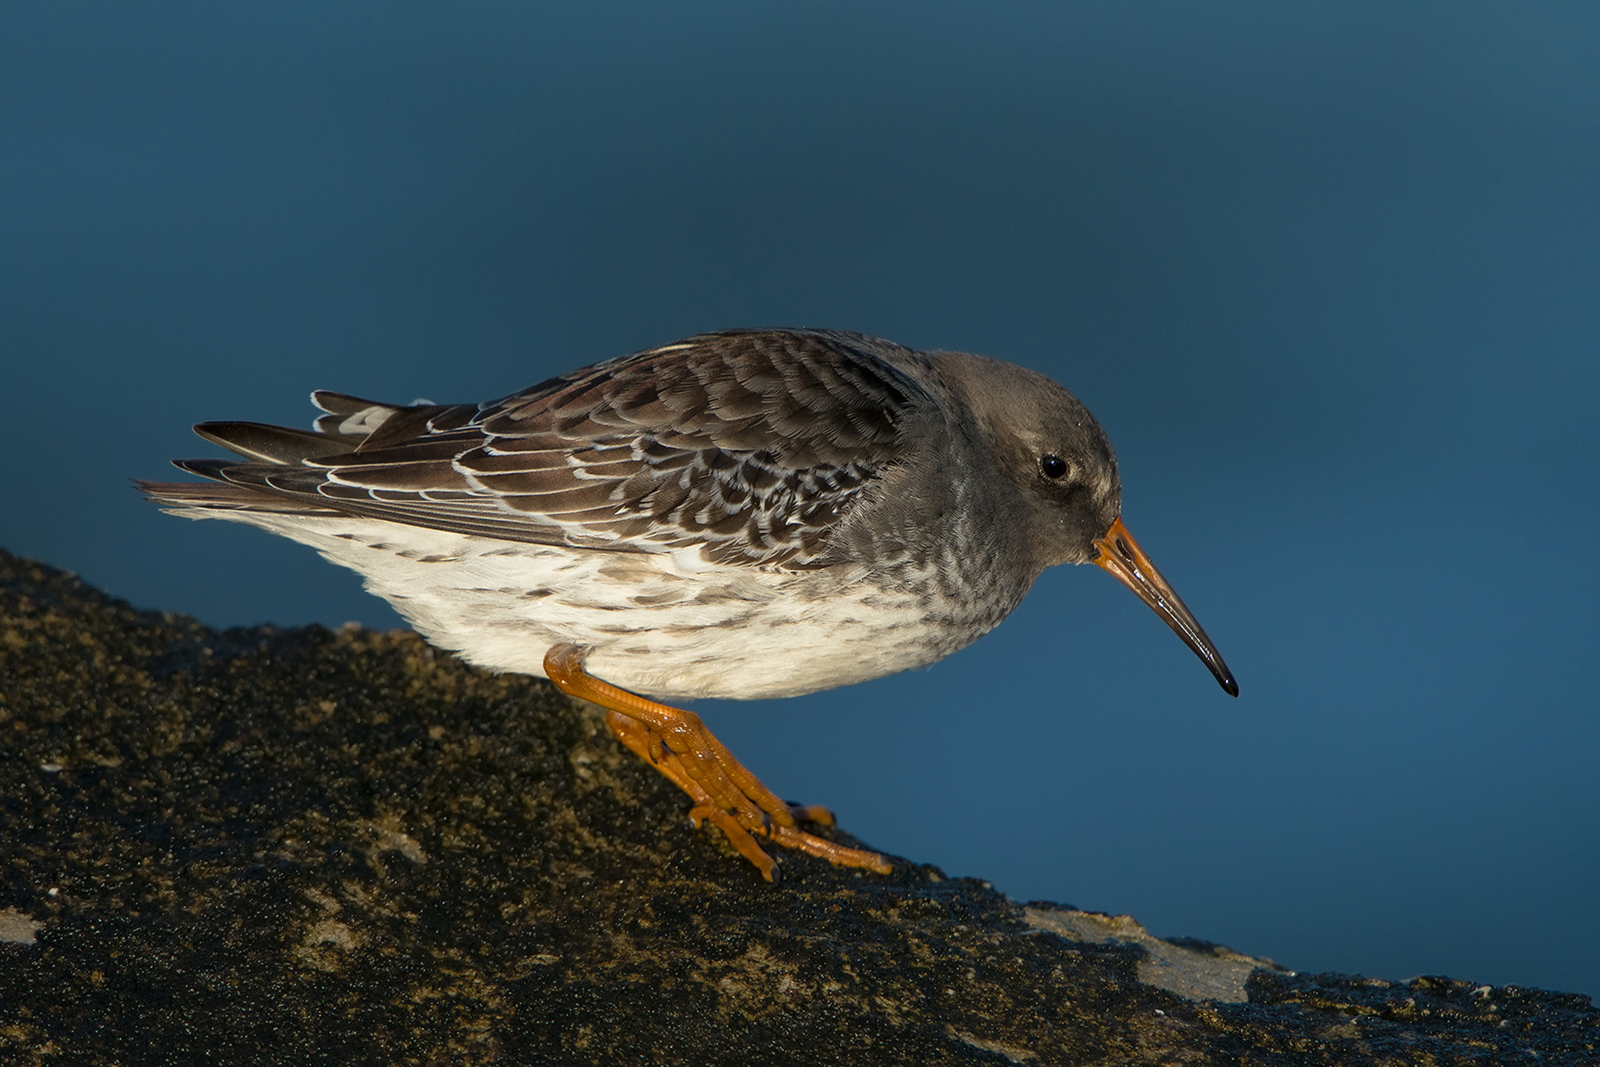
(743, 514)
(717, 500)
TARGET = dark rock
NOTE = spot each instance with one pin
(264, 846)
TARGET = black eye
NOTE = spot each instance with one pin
(1053, 466)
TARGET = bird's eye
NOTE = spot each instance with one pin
(1053, 466)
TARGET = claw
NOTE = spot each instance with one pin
(723, 791)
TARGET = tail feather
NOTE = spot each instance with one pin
(276, 444)
(350, 415)
(343, 403)
(180, 497)
(403, 455)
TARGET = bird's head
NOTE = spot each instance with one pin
(1057, 464)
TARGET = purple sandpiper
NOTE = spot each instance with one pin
(753, 513)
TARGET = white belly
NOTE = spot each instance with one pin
(657, 624)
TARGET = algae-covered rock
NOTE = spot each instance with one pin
(264, 846)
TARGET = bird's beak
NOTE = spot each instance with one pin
(1121, 555)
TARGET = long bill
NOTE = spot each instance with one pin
(1121, 555)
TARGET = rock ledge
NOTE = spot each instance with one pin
(264, 846)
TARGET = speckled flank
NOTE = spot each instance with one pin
(265, 847)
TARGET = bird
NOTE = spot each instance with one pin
(742, 514)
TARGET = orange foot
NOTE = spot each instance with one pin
(678, 745)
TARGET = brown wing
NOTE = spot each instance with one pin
(751, 445)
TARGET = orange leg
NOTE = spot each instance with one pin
(678, 745)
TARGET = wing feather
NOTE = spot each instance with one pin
(750, 445)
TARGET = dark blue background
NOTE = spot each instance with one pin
(1328, 274)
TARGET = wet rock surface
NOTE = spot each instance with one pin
(263, 846)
